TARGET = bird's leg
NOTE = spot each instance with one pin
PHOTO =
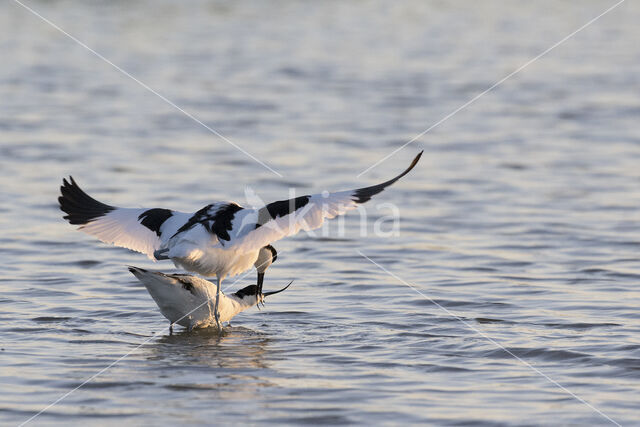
(259, 296)
(216, 314)
(170, 328)
(258, 286)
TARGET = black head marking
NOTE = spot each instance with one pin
(250, 290)
(154, 218)
(274, 253)
(362, 195)
(280, 208)
(80, 208)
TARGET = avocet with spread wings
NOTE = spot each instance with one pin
(222, 239)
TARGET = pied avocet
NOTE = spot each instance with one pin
(189, 300)
(222, 239)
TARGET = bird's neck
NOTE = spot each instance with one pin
(241, 304)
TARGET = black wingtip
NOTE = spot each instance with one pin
(363, 195)
(78, 205)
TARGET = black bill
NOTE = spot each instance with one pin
(266, 294)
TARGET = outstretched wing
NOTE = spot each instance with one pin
(141, 230)
(253, 229)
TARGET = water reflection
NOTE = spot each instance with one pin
(523, 216)
(236, 348)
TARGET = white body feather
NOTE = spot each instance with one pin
(189, 300)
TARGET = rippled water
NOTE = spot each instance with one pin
(522, 218)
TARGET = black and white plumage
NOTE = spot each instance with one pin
(188, 300)
(223, 238)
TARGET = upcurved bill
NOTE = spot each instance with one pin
(266, 294)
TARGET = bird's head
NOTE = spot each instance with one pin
(266, 257)
(250, 294)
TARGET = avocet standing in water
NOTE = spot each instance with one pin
(222, 239)
(188, 300)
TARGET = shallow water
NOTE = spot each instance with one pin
(519, 224)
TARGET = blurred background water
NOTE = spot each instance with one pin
(522, 218)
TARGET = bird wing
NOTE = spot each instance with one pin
(253, 229)
(141, 230)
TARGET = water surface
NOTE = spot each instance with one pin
(520, 222)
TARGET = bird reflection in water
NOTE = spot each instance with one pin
(236, 348)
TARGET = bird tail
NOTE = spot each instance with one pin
(170, 293)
